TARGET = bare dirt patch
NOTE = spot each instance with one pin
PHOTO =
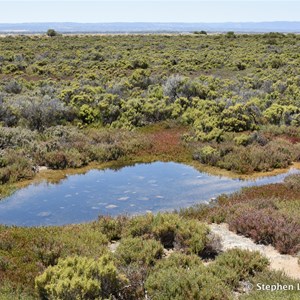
(279, 262)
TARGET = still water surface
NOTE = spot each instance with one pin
(131, 190)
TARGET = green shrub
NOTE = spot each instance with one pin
(165, 228)
(180, 260)
(80, 278)
(111, 227)
(16, 137)
(138, 251)
(254, 158)
(51, 32)
(139, 226)
(236, 265)
(48, 251)
(56, 160)
(171, 230)
(292, 181)
(9, 291)
(243, 140)
(41, 112)
(75, 159)
(192, 236)
(208, 155)
(184, 277)
(230, 34)
(15, 166)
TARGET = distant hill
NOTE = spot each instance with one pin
(150, 27)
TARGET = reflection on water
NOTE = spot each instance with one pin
(131, 190)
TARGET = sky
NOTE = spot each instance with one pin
(190, 11)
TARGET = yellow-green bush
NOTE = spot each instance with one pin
(171, 230)
(138, 251)
(80, 278)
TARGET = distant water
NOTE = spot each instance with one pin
(131, 190)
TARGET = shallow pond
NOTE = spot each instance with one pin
(131, 190)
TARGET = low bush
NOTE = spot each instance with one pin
(34, 249)
(198, 211)
(48, 251)
(172, 231)
(16, 137)
(139, 226)
(184, 277)
(56, 160)
(243, 158)
(192, 237)
(267, 226)
(9, 291)
(165, 228)
(180, 260)
(111, 227)
(80, 278)
(138, 251)
(243, 140)
(15, 166)
(40, 113)
(208, 155)
(237, 265)
(292, 182)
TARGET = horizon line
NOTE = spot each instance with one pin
(151, 22)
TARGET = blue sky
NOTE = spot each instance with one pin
(148, 11)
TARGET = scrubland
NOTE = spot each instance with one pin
(231, 102)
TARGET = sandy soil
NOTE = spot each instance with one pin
(286, 263)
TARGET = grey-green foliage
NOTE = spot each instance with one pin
(172, 86)
(7, 117)
(13, 87)
(16, 137)
(39, 113)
